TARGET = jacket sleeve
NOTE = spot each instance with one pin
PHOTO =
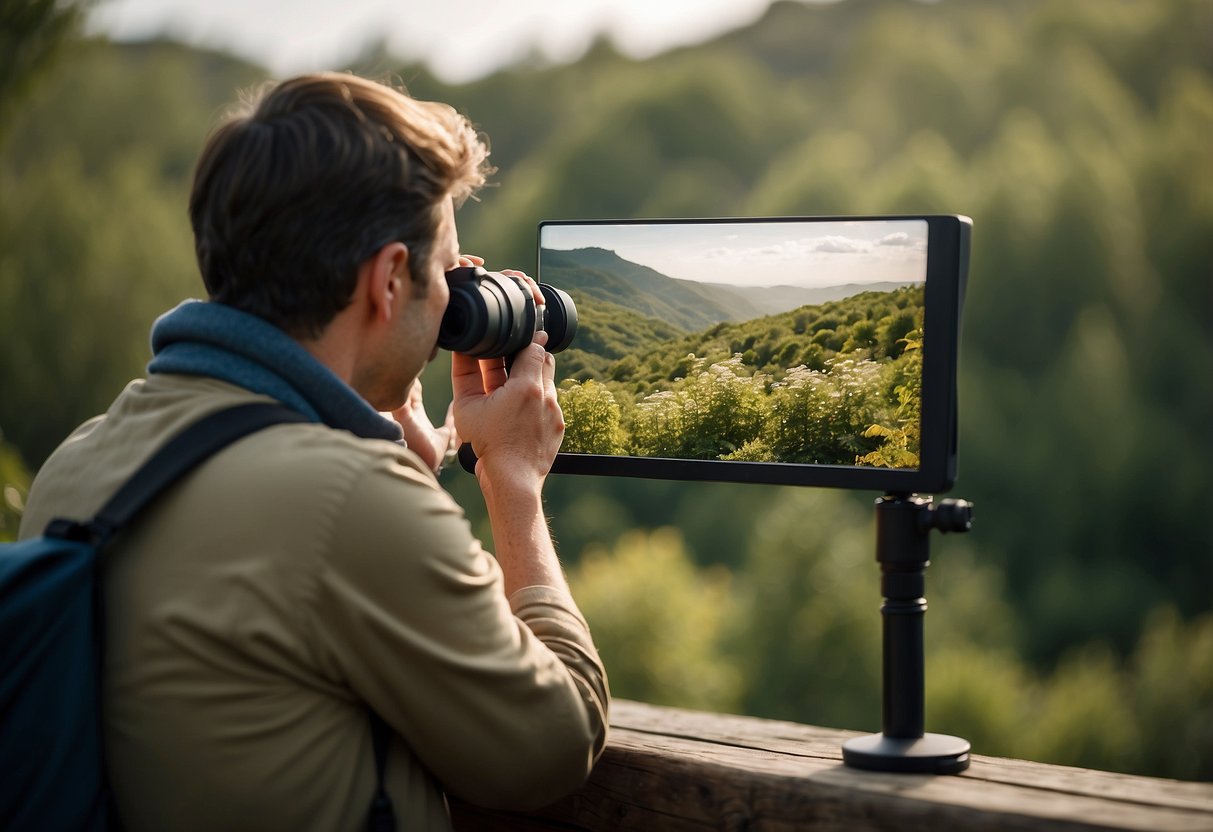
(503, 700)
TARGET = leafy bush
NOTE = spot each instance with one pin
(591, 417)
(14, 486)
(659, 622)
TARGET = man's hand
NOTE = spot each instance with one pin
(514, 423)
(427, 441)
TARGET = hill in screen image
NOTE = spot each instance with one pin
(676, 368)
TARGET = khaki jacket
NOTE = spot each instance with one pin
(294, 579)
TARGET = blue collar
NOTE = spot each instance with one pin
(200, 338)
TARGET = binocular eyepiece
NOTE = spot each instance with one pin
(492, 315)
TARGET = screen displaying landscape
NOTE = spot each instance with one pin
(791, 341)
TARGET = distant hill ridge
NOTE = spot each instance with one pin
(771, 300)
(603, 274)
(687, 304)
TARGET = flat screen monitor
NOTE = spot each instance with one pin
(815, 351)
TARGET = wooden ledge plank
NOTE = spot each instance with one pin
(808, 740)
(670, 769)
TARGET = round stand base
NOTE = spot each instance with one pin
(928, 754)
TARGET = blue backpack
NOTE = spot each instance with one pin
(52, 766)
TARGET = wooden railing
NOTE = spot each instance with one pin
(672, 769)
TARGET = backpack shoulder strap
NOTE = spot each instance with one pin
(174, 460)
(182, 454)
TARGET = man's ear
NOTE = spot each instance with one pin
(387, 276)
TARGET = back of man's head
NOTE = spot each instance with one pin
(311, 177)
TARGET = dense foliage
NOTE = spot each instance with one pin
(835, 384)
(1073, 624)
(32, 33)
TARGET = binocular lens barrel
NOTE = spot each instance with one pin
(492, 315)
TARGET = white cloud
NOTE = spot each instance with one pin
(837, 244)
(897, 238)
(459, 39)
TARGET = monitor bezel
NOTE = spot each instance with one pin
(948, 241)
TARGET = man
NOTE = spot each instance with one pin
(313, 573)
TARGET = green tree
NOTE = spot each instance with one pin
(94, 238)
(80, 284)
(1171, 695)
(862, 337)
(659, 622)
(14, 487)
(1082, 715)
(901, 439)
(809, 643)
(820, 417)
(894, 330)
(32, 32)
(711, 413)
(591, 417)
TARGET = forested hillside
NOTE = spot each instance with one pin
(1073, 624)
(831, 384)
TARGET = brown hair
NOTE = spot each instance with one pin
(313, 176)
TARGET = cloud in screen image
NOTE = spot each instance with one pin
(807, 254)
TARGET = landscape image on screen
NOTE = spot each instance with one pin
(789, 341)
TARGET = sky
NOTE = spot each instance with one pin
(782, 253)
(459, 40)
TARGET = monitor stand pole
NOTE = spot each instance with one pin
(903, 523)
